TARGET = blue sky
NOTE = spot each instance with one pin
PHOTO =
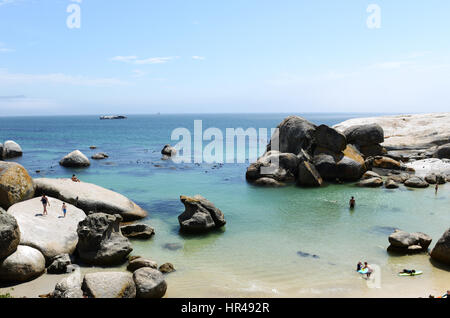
(178, 56)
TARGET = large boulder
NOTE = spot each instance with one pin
(150, 283)
(109, 285)
(441, 251)
(75, 159)
(137, 231)
(9, 234)
(90, 197)
(294, 133)
(15, 184)
(372, 150)
(329, 138)
(308, 175)
(325, 164)
(25, 264)
(352, 165)
(442, 152)
(52, 234)
(11, 149)
(200, 215)
(69, 287)
(362, 135)
(100, 241)
(405, 242)
(416, 182)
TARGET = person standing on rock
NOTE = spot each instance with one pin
(45, 202)
(64, 209)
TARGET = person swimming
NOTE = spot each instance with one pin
(352, 203)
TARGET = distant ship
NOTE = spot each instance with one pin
(112, 117)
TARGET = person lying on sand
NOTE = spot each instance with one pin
(75, 179)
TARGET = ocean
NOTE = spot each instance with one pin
(284, 242)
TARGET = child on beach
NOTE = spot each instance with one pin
(64, 209)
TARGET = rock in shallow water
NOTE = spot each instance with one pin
(9, 234)
(371, 183)
(25, 264)
(100, 240)
(11, 149)
(308, 175)
(109, 285)
(200, 215)
(167, 268)
(90, 197)
(416, 182)
(137, 231)
(141, 262)
(405, 242)
(15, 184)
(75, 159)
(100, 156)
(51, 234)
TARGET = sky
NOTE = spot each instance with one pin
(223, 56)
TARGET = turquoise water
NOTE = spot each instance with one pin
(256, 254)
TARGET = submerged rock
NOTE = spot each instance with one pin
(75, 159)
(25, 264)
(268, 182)
(200, 215)
(9, 234)
(137, 231)
(100, 240)
(11, 149)
(100, 156)
(441, 251)
(109, 285)
(90, 197)
(52, 234)
(150, 283)
(15, 184)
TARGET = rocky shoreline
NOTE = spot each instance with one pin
(97, 231)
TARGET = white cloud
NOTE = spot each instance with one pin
(135, 60)
(196, 57)
(3, 2)
(57, 78)
(4, 49)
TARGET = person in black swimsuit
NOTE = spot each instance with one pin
(45, 202)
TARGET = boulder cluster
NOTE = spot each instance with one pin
(310, 154)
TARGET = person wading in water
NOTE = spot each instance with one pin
(352, 203)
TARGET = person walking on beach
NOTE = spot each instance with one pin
(64, 209)
(45, 202)
(352, 203)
